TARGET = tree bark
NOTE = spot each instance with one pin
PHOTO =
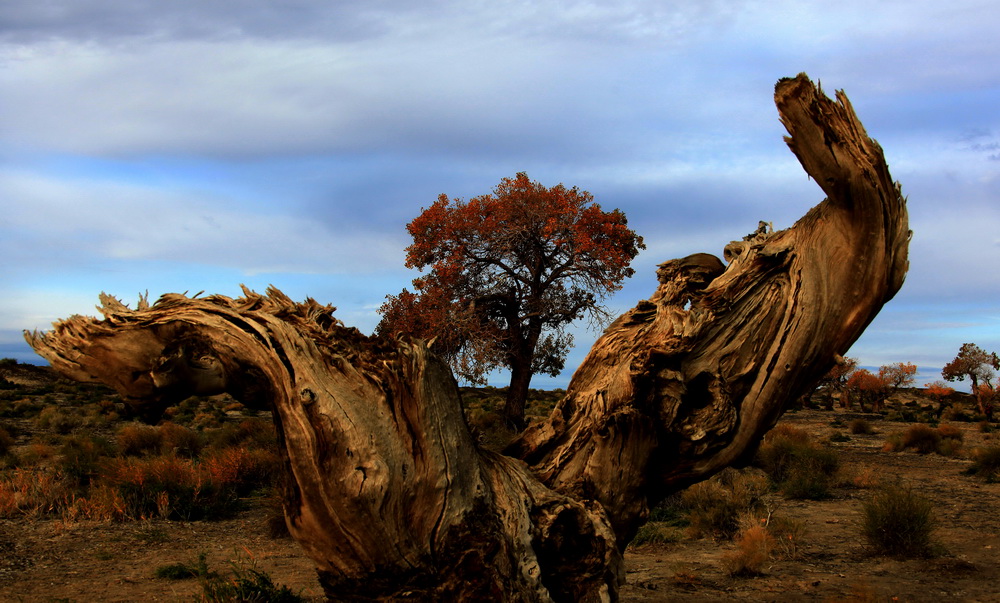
(388, 493)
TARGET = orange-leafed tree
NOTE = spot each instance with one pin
(867, 389)
(898, 375)
(973, 362)
(507, 272)
(940, 393)
(987, 398)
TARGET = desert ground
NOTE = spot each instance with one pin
(53, 558)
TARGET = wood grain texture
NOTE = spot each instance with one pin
(388, 492)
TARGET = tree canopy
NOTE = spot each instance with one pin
(507, 271)
(973, 362)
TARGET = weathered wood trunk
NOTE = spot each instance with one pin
(387, 491)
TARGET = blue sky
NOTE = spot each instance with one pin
(189, 145)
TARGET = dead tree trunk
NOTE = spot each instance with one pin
(389, 494)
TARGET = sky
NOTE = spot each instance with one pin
(194, 146)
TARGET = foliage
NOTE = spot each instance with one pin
(245, 583)
(800, 468)
(945, 440)
(973, 362)
(507, 272)
(987, 398)
(895, 520)
(716, 506)
(871, 390)
(753, 551)
(985, 463)
(898, 375)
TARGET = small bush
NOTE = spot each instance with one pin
(716, 506)
(53, 419)
(246, 583)
(897, 521)
(860, 427)
(985, 463)
(183, 571)
(6, 442)
(137, 440)
(923, 439)
(81, 456)
(801, 468)
(655, 532)
(839, 437)
(753, 552)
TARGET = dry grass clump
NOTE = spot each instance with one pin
(860, 427)
(895, 520)
(945, 440)
(985, 463)
(800, 467)
(761, 541)
(717, 506)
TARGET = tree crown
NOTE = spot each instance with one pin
(506, 271)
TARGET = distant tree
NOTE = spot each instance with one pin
(973, 362)
(898, 375)
(987, 398)
(507, 272)
(832, 384)
(939, 392)
(867, 389)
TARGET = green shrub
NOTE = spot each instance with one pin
(897, 521)
(246, 583)
(183, 571)
(655, 532)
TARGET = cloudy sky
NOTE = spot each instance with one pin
(191, 145)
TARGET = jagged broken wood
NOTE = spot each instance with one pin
(387, 491)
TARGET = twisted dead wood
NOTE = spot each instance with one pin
(387, 491)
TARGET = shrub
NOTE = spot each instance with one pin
(164, 486)
(6, 441)
(31, 493)
(716, 506)
(53, 419)
(179, 440)
(246, 583)
(950, 432)
(136, 439)
(753, 551)
(242, 468)
(923, 439)
(183, 571)
(801, 468)
(860, 427)
(985, 463)
(897, 521)
(81, 456)
(655, 532)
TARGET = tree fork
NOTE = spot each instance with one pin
(387, 491)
